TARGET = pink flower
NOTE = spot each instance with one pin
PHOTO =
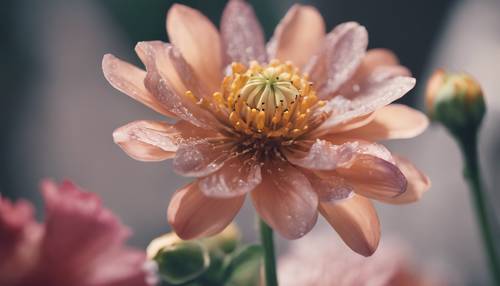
(329, 264)
(292, 123)
(79, 244)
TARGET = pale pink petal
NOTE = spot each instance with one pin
(158, 53)
(340, 56)
(238, 176)
(368, 75)
(353, 123)
(379, 57)
(148, 140)
(337, 152)
(199, 42)
(241, 33)
(378, 93)
(285, 200)
(130, 80)
(373, 177)
(418, 183)
(81, 238)
(373, 59)
(330, 188)
(155, 55)
(298, 35)
(323, 155)
(192, 214)
(356, 221)
(201, 158)
(395, 121)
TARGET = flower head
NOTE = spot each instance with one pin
(80, 243)
(292, 123)
(456, 100)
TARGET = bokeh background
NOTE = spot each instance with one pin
(57, 112)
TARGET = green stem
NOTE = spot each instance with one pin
(472, 174)
(266, 237)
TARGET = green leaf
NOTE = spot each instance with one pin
(182, 262)
(244, 268)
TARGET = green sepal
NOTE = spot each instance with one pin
(244, 266)
(182, 262)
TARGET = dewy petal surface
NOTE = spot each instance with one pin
(130, 80)
(373, 59)
(242, 36)
(374, 177)
(200, 158)
(340, 56)
(192, 214)
(323, 155)
(377, 94)
(356, 221)
(199, 42)
(330, 188)
(238, 176)
(148, 140)
(285, 200)
(394, 121)
(154, 55)
(298, 35)
(418, 183)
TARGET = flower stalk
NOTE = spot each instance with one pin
(457, 101)
(472, 174)
(266, 236)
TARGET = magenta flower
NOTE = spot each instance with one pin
(293, 124)
(80, 243)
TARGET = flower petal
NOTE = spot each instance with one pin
(148, 140)
(199, 42)
(373, 59)
(374, 177)
(99, 239)
(298, 35)
(192, 214)
(367, 75)
(201, 158)
(330, 188)
(342, 52)
(20, 236)
(237, 177)
(242, 37)
(130, 80)
(395, 121)
(155, 55)
(378, 93)
(418, 183)
(356, 221)
(323, 155)
(285, 200)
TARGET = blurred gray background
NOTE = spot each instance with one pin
(57, 112)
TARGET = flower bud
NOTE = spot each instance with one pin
(226, 241)
(455, 100)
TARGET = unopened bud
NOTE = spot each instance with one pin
(455, 100)
(226, 241)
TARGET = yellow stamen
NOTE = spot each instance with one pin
(271, 101)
